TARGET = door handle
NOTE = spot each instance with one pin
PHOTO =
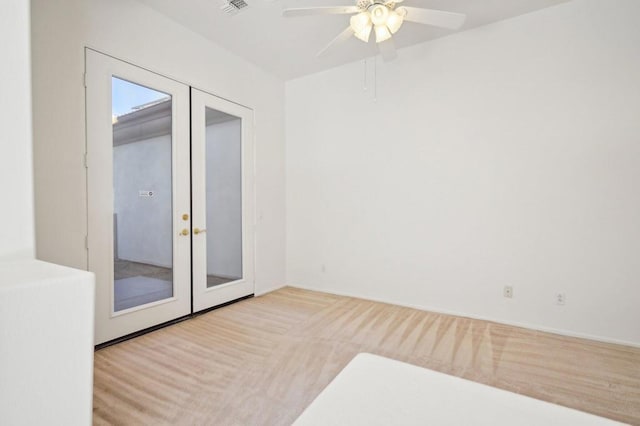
(197, 231)
(184, 232)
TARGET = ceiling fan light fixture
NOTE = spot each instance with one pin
(364, 34)
(361, 26)
(386, 17)
(382, 33)
(394, 22)
(379, 14)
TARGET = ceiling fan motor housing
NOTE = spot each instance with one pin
(363, 4)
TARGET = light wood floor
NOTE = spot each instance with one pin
(263, 360)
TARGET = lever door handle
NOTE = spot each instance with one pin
(197, 231)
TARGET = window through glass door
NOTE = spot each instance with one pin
(142, 210)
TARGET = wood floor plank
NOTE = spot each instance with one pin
(263, 360)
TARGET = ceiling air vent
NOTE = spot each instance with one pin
(233, 6)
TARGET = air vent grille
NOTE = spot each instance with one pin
(233, 6)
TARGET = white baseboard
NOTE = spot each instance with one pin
(561, 332)
(269, 290)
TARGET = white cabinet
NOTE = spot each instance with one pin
(46, 344)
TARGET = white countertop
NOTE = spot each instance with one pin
(372, 390)
(18, 273)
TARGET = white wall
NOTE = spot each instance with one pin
(16, 181)
(133, 32)
(224, 199)
(46, 311)
(144, 230)
(505, 155)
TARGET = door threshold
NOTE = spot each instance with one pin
(166, 324)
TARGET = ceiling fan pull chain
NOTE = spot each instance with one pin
(365, 75)
(375, 79)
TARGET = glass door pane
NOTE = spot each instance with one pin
(142, 211)
(223, 197)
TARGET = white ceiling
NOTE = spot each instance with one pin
(287, 47)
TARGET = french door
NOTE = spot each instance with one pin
(222, 204)
(170, 197)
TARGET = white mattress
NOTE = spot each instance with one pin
(372, 390)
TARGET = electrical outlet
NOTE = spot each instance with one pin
(508, 291)
(560, 299)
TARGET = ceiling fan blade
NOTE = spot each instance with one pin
(387, 50)
(342, 37)
(332, 10)
(437, 18)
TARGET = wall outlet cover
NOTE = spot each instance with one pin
(508, 291)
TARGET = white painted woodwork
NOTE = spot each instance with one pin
(110, 324)
(204, 297)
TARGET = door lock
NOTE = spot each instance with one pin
(184, 232)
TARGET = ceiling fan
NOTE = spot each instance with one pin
(382, 17)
